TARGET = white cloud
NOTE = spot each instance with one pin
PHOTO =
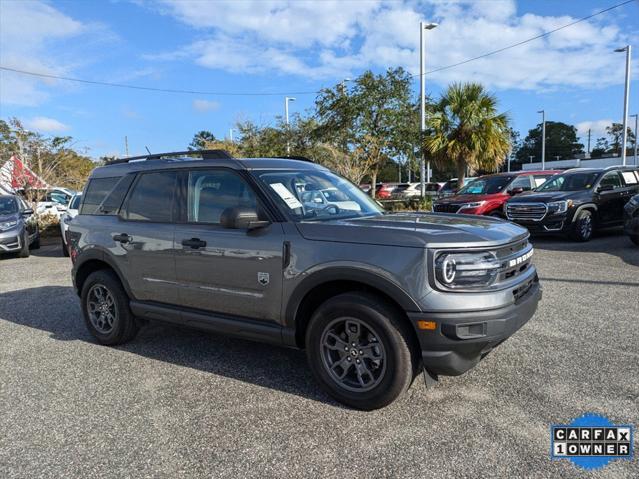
(337, 39)
(597, 128)
(37, 37)
(47, 125)
(205, 105)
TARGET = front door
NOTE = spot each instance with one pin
(221, 270)
(144, 237)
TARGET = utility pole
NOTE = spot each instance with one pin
(286, 100)
(588, 143)
(422, 96)
(531, 158)
(626, 96)
(636, 124)
(126, 145)
(231, 134)
(543, 139)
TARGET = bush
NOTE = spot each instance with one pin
(411, 204)
(49, 224)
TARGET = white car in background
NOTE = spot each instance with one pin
(66, 217)
(329, 197)
(54, 201)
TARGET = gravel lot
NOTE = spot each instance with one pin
(177, 403)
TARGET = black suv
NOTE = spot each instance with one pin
(576, 202)
(285, 251)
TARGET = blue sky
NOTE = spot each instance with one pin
(295, 46)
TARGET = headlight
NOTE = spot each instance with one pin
(7, 225)
(475, 204)
(559, 206)
(466, 270)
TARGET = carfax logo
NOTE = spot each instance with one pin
(591, 441)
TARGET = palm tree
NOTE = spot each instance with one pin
(467, 130)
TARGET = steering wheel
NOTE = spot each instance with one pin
(328, 209)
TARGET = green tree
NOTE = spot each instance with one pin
(369, 119)
(200, 139)
(467, 131)
(561, 140)
(615, 134)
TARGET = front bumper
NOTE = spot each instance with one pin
(556, 223)
(11, 240)
(462, 339)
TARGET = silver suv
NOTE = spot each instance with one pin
(287, 252)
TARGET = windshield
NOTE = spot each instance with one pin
(8, 205)
(570, 182)
(317, 195)
(486, 186)
(75, 202)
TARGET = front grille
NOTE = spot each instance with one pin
(446, 208)
(512, 260)
(526, 211)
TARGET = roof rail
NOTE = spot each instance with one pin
(205, 154)
(621, 167)
(291, 157)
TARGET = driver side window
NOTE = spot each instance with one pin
(210, 192)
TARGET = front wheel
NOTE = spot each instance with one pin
(361, 351)
(582, 227)
(635, 239)
(24, 251)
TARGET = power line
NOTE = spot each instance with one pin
(216, 93)
(537, 37)
(149, 88)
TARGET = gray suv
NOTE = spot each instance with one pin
(284, 251)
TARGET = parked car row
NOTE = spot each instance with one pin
(385, 191)
(18, 231)
(573, 203)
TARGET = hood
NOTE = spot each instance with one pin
(10, 217)
(459, 199)
(416, 230)
(543, 196)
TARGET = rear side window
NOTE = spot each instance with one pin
(151, 198)
(111, 204)
(522, 182)
(96, 192)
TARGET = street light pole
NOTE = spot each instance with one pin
(231, 134)
(286, 100)
(422, 99)
(543, 138)
(636, 125)
(626, 95)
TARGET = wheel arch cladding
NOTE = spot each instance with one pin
(311, 294)
(96, 263)
(587, 207)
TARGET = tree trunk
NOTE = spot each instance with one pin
(373, 182)
(461, 173)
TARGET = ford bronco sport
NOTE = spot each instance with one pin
(241, 247)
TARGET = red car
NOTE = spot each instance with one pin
(384, 191)
(487, 194)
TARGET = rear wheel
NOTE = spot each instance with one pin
(582, 227)
(105, 306)
(635, 239)
(360, 350)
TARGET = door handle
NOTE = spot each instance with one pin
(122, 238)
(194, 243)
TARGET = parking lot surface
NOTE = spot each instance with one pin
(178, 403)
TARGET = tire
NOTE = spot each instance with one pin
(65, 248)
(390, 355)
(36, 243)
(582, 227)
(116, 325)
(496, 214)
(635, 239)
(24, 251)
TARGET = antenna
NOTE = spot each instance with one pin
(147, 149)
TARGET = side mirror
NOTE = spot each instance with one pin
(602, 188)
(27, 212)
(516, 191)
(241, 218)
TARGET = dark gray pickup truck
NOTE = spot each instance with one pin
(285, 251)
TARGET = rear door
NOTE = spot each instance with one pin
(611, 202)
(222, 270)
(145, 236)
